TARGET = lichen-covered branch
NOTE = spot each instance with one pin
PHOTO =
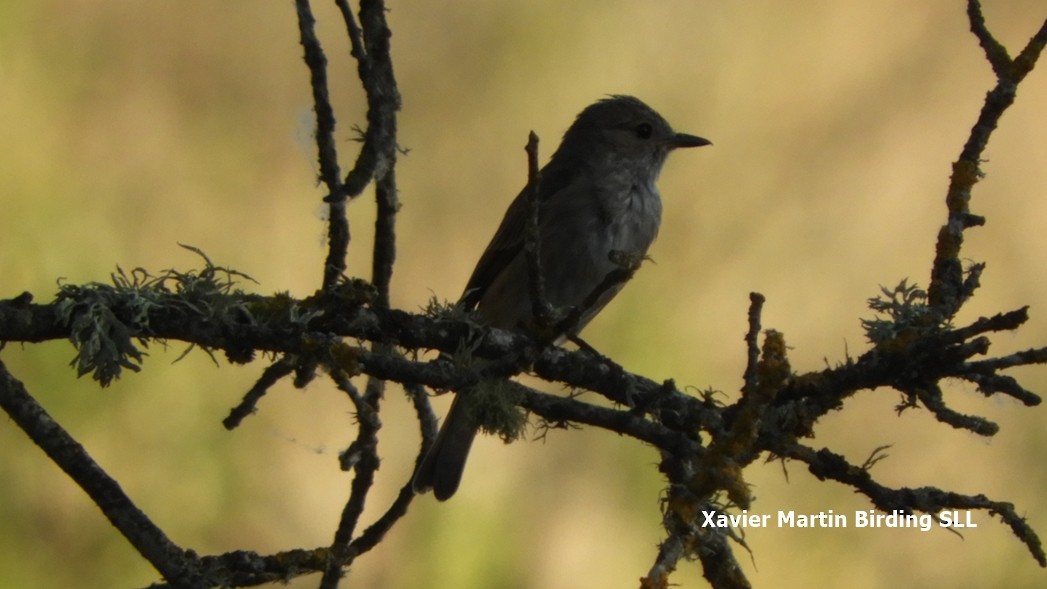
(951, 285)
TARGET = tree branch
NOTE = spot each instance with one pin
(175, 564)
(950, 285)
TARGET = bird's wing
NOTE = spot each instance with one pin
(508, 240)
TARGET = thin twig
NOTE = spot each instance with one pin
(825, 464)
(540, 308)
(337, 222)
(364, 461)
(383, 101)
(374, 534)
(949, 288)
(270, 376)
(752, 345)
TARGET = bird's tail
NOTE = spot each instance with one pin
(441, 469)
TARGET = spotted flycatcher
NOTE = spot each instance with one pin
(596, 201)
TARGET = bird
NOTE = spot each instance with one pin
(596, 199)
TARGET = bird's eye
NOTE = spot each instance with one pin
(644, 130)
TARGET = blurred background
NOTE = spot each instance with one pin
(129, 127)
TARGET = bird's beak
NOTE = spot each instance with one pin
(685, 140)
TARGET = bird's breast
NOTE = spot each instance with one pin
(633, 221)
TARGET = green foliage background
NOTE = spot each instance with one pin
(131, 126)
